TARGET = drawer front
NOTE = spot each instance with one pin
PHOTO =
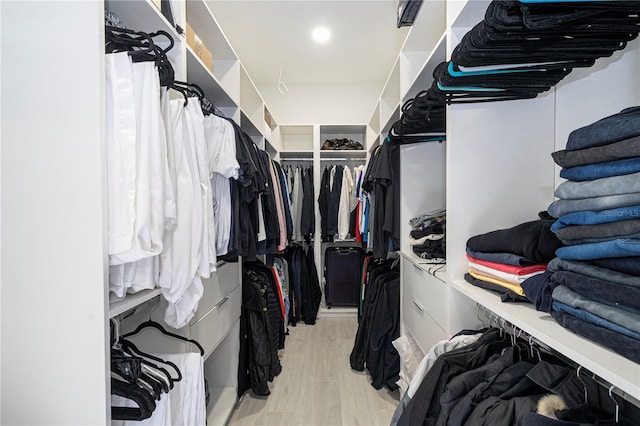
(420, 325)
(214, 324)
(429, 292)
(217, 287)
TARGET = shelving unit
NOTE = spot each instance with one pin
(70, 284)
(495, 153)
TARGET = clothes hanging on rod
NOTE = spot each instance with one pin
(501, 376)
(158, 389)
(379, 325)
(300, 184)
(186, 185)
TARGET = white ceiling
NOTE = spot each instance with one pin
(269, 34)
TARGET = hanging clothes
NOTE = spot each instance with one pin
(344, 206)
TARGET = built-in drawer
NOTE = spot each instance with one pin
(429, 292)
(420, 325)
(217, 287)
(214, 324)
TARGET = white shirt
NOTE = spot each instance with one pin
(344, 208)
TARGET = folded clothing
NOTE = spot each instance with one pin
(533, 240)
(506, 295)
(495, 273)
(510, 269)
(628, 148)
(623, 345)
(436, 227)
(504, 258)
(539, 290)
(430, 237)
(515, 288)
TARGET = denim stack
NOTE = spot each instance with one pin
(595, 281)
(504, 259)
(428, 236)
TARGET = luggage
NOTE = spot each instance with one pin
(342, 274)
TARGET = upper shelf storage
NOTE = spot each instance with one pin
(423, 49)
(465, 13)
(141, 15)
(296, 138)
(354, 132)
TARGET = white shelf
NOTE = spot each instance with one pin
(204, 24)
(438, 270)
(608, 365)
(141, 15)
(131, 301)
(422, 77)
(221, 405)
(469, 12)
(328, 154)
(199, 74)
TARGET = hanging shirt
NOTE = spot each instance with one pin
(221, 147)
(207, 236)
(179, 262)
(148, 195)
(344, 207)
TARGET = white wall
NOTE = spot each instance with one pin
(53, 308)
(326, 104)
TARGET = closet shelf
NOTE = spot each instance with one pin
(423, 77)
(198, 73)
(615, 369)
(131, 301)
(141, 16)
(438, 270)
(329, 154)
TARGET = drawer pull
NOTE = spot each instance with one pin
(420, 307)
(222, 302)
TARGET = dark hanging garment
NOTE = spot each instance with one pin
(262, 275)
(334, 202)
(255, 342)
(323, 202)
(384, 360)
(308, 222)
(312, 291)
(268, 202)
(295, 259)
(378, 273)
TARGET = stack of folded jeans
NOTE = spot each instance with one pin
(594, 286)
(427, 237)
(503, 260)
(523, 48)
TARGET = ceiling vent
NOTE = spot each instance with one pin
(407, 12)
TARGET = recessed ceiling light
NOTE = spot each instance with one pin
(321, 34)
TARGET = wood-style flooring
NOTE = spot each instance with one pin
(317, 385)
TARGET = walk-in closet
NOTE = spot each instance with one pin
(371, 212)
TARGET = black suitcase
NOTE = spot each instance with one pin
(342, 274)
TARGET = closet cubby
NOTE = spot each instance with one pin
(494, 171)
(296, 139)
(354, 132)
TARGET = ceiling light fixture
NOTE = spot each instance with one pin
(321, 34)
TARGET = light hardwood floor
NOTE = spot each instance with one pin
(317, 385)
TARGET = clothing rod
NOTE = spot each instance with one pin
(296, 159)
(343, 159)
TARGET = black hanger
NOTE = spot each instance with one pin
(160, 328)
(142, 398)
(129, 346)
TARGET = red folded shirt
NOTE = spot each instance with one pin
(517, 270)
